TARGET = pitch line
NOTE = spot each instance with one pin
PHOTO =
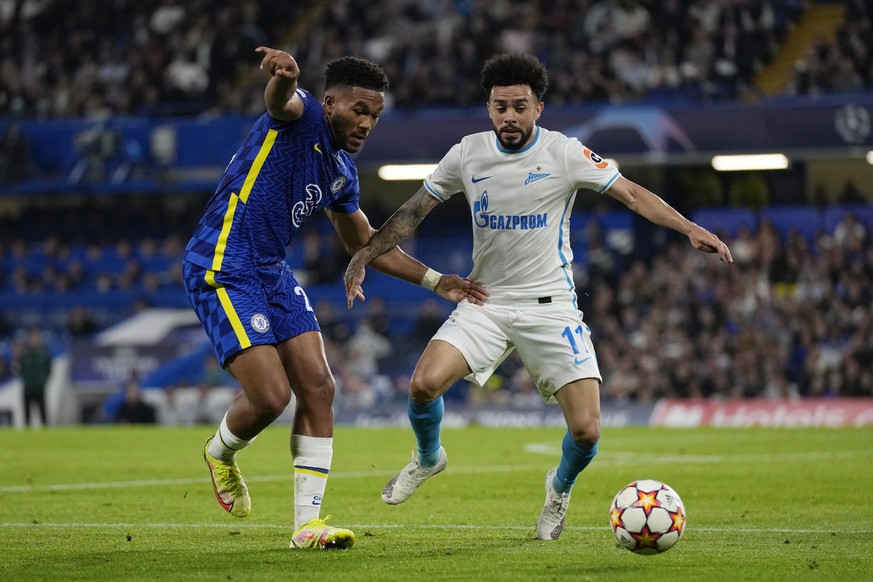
(452, 527)
(605, 459)
(618, 458)
(255, 478)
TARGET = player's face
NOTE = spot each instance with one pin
(514, 111)
(352, 113)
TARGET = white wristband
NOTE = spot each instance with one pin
(430, 279)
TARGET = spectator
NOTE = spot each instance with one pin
(377, 317)
(5, 326)
(15, 162)
(323, 261)
(35, 367)
(5, 368)
(849, 231)
(80, 322)
(364, 350)
(430, 318)
(851, 194)
(135, 410)
(172, 412)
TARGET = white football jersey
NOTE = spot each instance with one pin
(521, 203)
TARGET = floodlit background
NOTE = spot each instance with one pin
(751, 117)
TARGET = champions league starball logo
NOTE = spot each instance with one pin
(852, 123)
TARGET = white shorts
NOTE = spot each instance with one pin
(552, 340)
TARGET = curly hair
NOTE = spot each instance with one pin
(507, 70)
(355, 72)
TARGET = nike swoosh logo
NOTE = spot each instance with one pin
(582, 361)
(315, 147)
(476, 180)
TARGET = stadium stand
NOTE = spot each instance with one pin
(186, 58)
(792, 319)
(694, 329)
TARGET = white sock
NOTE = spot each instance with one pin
(225, 444)
(312, 457)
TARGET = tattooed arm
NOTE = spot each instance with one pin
(395, 230)
(398, 228)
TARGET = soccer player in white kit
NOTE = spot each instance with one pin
(520, 181)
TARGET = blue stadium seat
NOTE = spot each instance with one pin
(806, 220)
(833, 215)
(726, 220)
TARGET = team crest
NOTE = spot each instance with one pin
(260, 323)
(534, 176)
(337, 184)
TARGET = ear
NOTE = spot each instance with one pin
(540, 107)
(328, 104)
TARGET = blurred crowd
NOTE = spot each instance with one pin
(843, 65)
(94, 60)
(82, 60)
(596, 50)
(790, 318)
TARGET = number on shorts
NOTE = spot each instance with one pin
(569, 335)
(298, 290)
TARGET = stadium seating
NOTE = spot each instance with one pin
(90, 245)
(806, 220)
(726, 220)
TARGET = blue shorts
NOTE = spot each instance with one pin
(239, 309)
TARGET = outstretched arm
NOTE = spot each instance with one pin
(280, 95)
(381, 249)
(652, 207)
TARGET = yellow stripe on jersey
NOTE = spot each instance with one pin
(256, 165)
(229, 310)
(221, 243)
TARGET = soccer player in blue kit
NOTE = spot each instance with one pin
(294, 162)
(520, 181)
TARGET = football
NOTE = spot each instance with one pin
(647, 517)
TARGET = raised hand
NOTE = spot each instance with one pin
(278, 63)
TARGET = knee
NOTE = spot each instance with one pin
(586, 432)
(422, 387)
(272, 403)
(317, 392)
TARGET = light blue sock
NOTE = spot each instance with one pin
(575, 457)
(426, 419)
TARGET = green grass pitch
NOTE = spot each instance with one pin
(124, 503)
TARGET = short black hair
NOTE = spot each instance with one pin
(506, 70)
(355, 72)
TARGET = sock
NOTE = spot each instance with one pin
(426, 419)
(225, 444)
(575, 456)
(312, 457)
